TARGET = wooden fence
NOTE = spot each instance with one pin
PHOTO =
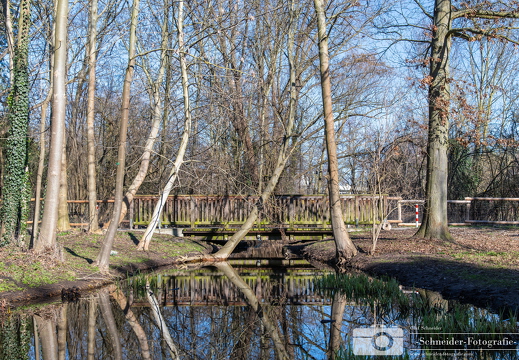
(229, 211)
(289, 210)
(297, 211)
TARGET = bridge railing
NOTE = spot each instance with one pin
(295, 211)
(289, 210)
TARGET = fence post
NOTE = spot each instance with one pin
(399, 210)
(131, 213)
(416, 207)
(192, 211)
(467, 209)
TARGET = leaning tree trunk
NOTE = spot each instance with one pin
(271, 328)
(434, 224)
(284, 154)
(156, 120)
(104, 254)
(344, 247)
(157, 211)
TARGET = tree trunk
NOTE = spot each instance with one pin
(41, 166)
(157, 119)
(434, 224)
(63, 218)
(14, 192)
(344, 247)
(104, 254)
(93, 221)
(47, 236)
(157, 211)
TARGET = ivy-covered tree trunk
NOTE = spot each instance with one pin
(15, 192)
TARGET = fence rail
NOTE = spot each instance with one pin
(296, 211)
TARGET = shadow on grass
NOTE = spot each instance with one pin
(484, 286)
(134, 238)
(73, 253)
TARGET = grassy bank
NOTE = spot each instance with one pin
(23, 271)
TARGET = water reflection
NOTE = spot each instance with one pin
(219, 312)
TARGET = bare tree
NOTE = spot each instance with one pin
(434, 224)
(345, 249)
(93, 222)
(47, 236)
(104, 254)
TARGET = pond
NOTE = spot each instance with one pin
(250, 309)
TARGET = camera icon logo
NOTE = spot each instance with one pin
(378, 340)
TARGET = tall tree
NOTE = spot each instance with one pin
(434, 224)
(13, 213)
(104, 254)
(47, 236)
(93, 222)
(345, 249)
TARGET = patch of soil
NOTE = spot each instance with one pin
(481, 268)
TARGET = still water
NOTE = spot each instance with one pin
(239, 310)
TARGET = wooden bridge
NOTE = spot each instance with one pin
(306, 217)
(232, 210)
(216, 217)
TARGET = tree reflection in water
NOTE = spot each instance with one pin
(206, 313)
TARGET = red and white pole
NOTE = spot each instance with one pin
(416, 212)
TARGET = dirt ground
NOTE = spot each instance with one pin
(482, 268)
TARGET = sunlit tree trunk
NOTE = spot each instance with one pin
(157, 211)
(41, 167)
(344, 247)
(47, 236)
(93, 221)
(63, 218)
(104, 254)
(434, 224)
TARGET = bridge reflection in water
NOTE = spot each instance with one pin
(210, 286)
